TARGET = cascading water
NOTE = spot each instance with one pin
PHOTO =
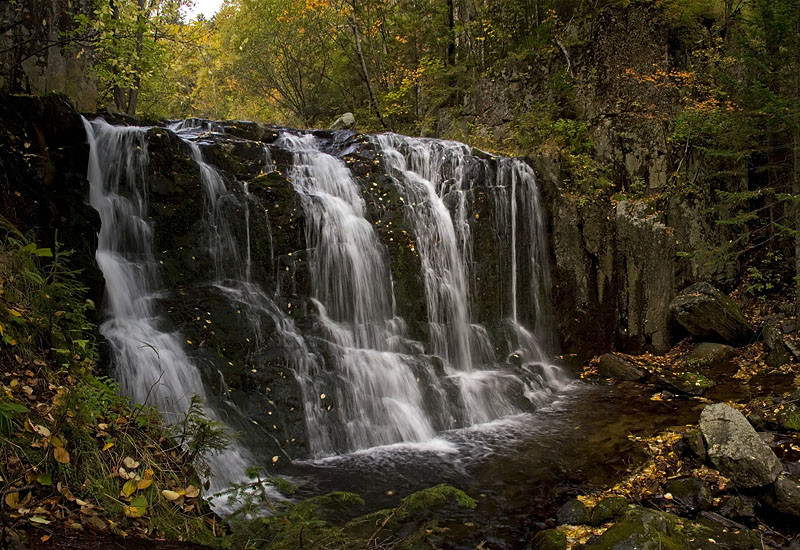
(150, 363)
(375, 389)
(363, 381)
(428, 172)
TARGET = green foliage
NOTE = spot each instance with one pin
(198, 433)
(44, 303)
(8, 410)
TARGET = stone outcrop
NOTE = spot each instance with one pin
(707, 314)
(709, 354)
(735, 448)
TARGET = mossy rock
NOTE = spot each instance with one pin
(709, 354)
(573, 512)
(688, 383)
(644, 529)
(549, 539)
(789, 417)
(609, 509)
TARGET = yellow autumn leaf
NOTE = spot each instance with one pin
(107, 446)
(61, 455)
(171, 495)
(143, 483)
(15, 313)
(12, 500)
(129, 488)
(56, 441)
(192, 491)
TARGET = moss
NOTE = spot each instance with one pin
(609, 509)
(549, 539)
(789, 417)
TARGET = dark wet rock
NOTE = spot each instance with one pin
(549, 539)
(777, 353)
(573, 512)
(609, 509)
(794, 349)
(735, 448)
(783, 497)
(689, 493)
(644, 529)
(708, 314)
(709, 354)
(740, 508)
(694, 442)
(611, 366)
(788, 327)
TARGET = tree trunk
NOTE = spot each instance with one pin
(451, 34)
(133, 96)
(364, 71)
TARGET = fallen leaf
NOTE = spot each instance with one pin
(130, 463)
(129, 488)
(61, 455)
(41, 430)
(144, 484)
(171, 495)
(107, 446)
(192, 492)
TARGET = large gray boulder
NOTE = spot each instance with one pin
(345, 122)
(735, 448)
(707, 314)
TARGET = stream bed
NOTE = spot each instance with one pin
(519, 469)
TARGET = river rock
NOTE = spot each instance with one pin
(709, 354)
(708, 314)
(573, 512)
(735, 448)
(687, 383)
(777, 353)
(549, 539)
(608, 509)
(740, 508)
(784, 497)
(788, 417)
(690, 493)
(617, 368)
(644, 529)
(345, 122)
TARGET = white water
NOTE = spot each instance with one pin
(364, 382)
(150, 363)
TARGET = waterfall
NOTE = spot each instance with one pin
(362, 379)
(149, 362)
(377, 393)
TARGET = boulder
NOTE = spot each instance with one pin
(735, 449)
(784, 497)
(689, 493)
(687, 383)
(644, 529)
(709, 354)
(777, 352)
(788, 417)
(611, 366)
(739, 508)
(573, 512)
(707, 314)
(609, 509)
(549, 539)
(345, 122)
